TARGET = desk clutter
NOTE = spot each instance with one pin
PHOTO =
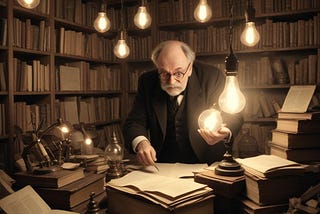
(169, 190)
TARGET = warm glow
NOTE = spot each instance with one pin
(121, 50)
(64, 129)
(142, 19)
(203, 12)
(30, 4)
(231, 99)
(88, 141)
(210, 119)
(250, 36)
(102, 23)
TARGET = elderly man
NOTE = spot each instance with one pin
(162, 124)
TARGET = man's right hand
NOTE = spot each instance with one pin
(146, 155)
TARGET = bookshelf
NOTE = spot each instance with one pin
(42, 51)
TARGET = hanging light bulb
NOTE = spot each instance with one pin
(231, 100)
(29, 4)
(250, 36)
(102, 23)
(121, 50)
(203, 12)
(142, 19)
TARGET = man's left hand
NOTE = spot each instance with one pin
(213, 137)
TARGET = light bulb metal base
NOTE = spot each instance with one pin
(116, 170)
(228, 166)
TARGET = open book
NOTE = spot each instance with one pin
(266, 166)
(27, 201)
(167, 191)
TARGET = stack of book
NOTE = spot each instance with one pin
(297, 137)
(297, 133)
(65, 189)
(271, 181)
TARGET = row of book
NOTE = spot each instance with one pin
(30, 35)
(29, 116)
(31, 76)
(268, 71)
(302, 33)
(90, 45)
(179, 11)
(80, 76)
(88, 109)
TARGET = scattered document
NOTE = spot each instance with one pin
(166, 187)
(176, 170)
(27, 201)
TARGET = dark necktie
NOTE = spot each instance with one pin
(174, 104)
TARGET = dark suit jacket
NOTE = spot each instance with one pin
(148, 116)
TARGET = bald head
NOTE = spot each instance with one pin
(172, 50)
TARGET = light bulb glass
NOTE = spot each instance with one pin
(121, 50)
(30, 4)
(250, 36)
(142, 19)
(210, 119)
(102, 23)
(203, 12)
(231, 100)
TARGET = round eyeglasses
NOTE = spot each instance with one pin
(178, 75)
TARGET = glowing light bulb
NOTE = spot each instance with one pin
(121, 50)
(210, 119)
(30, 4)
(250, 36)
(203, 12)
(142, 19)
(231, 100)
(102, 23)
(88, 141)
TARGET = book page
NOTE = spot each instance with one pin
(27, 201)
(150, 182)
(298, 98)
(267, 163)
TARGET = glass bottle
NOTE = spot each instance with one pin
(247, 145)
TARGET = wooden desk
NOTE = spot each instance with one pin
(226, 189)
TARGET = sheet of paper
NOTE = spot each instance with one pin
(265, 163)
(175, 170)
(27, 201)
(298, 98)
(150, 182)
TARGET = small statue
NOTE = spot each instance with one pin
(93, 207)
